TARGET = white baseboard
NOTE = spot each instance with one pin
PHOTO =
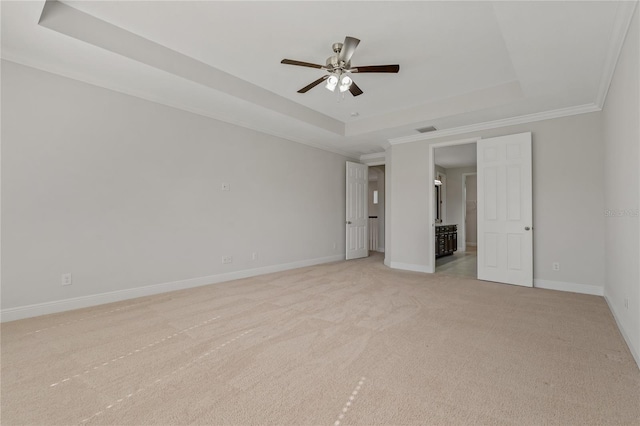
(632, 349)
(571, 287)
(410, 267)
(471, 244)
(28, 311)
(380, 249)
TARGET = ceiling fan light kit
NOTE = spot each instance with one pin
(332, 82)
(345, 83)
(338, 66)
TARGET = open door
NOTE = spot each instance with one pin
(357, 216)
(505, 235)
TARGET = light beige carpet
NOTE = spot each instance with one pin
(347, 343)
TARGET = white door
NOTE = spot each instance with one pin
(357, 210)
(505, 236)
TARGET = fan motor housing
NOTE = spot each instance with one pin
(334, 63)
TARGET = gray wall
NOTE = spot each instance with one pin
(622, 191)
(455, 210)
(568, 200)
(125, 193)
(471, 220)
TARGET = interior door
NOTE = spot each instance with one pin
(505, 236)
(357, 216)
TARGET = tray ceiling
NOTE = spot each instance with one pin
(461, 63)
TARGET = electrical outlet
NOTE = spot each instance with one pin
(555, 266)
(66, 279)
(626, 303)
(335, 245)
(254, 255)
(227, 259)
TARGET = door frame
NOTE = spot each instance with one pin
(464, 211)
(431, 235)
(381, 208)
(380, 159)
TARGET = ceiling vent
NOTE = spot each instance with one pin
(427, 129)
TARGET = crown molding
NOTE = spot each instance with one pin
(582, 109)
(375, 159)
(624, 16)
(522, 119)
(69, 21)
(9, 57)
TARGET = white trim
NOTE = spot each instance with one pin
(471, 244)
(465, 141)
(86, 28)
(375, 159)
(522, 119)
(12, 314)
(376, 156)
(234, 121)
(624, 16)
(570, 287)
(380, 249)
(1, 183)
(627, 340)
(410, 267)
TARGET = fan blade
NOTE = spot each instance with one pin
(309, 86)
(348, 47)
(302, 64)
(377, 68)
(355, 90)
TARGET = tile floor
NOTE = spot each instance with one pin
(459, 263)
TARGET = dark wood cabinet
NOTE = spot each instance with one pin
(446, 239)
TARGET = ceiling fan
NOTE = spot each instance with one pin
(339, 65)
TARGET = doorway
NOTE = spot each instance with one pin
(455, 235)
(504, 206)
(365, 210)
(376, 198)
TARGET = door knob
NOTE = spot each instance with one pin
(348, 222)
(526, 228)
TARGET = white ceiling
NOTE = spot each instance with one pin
(461, 63)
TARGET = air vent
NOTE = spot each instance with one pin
(427, 129)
